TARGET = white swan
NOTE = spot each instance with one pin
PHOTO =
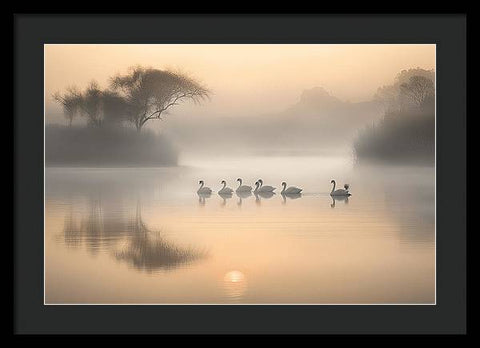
(243, 188)
(203, 190)
(339, 192)
(225, 190)
(290, 190)
(261, 188)
(263, 194)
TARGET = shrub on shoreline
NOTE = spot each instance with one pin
(103, 147)
(404, 137)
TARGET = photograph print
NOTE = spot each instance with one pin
(259, 174)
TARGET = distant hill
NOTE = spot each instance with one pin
(317, 98)
(317, 102)
(316, 122)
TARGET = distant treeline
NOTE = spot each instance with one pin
(106, 146)
(406, 132)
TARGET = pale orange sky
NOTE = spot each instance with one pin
(246, 79)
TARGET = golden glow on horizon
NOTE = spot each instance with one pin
(246, 79)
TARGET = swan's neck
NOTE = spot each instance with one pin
(224, 184)
(201, 185)
(256, 186)
(260, 183)
(284, 187)
(334, 183)
(240, 182)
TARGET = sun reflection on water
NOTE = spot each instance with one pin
(235, 285)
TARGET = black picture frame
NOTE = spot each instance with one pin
(448, 316)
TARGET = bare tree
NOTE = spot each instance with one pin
(149, 93)
(92, 104)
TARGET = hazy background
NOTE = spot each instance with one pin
(264, 97)
(291, 99)
(247, 80)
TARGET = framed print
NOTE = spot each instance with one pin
(256, 168)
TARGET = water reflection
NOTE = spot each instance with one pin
(95, 230)
(225, 196)
(290, 196)
(388, 235)
(242, 195)
(148, 250)
(234, 285)
(71, 231)
(264, 195)
(144, 249)
(409, 194)
(338, 198)
(202, 197)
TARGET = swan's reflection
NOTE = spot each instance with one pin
(290, 196)
(338, 198)
(242, 195)
(225, 196)
(202, 196)
(265, 195)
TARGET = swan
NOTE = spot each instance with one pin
(264, 194)
(339, 192)
(243, 188)
(203, 190)
(225, 190)
(261, 188)
(290, 190)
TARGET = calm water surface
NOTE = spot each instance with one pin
(143, 235)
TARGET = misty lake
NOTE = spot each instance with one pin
(143, 235)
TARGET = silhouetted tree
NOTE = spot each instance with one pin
(97, 105)
(410, 87)
(418, 89)
(91, 105)
(405, 75)
(388, 97)
(149, 93)
(114, 108)
(87, 103)
(71, 102)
